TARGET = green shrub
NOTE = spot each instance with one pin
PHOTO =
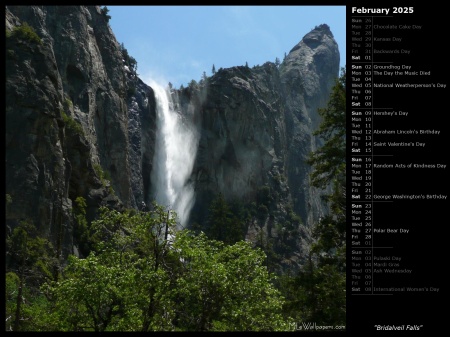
(10, 54)
(104, 176)
(25, 32)
(105, 11)
(99, 171)
(71, 124)
(68, 103)
(8, 199)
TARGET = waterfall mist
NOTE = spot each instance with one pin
(175, 151)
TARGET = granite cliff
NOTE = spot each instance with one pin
(80, 123)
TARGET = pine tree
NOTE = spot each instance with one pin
(318, 292)
(192, 84)
(277, 61)
(223, 225)
(105, 11)
(204, 78)
(328, 161)
(213, 69)
(329, 170)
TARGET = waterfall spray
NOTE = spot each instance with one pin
(175, 151)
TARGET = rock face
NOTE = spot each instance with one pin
(67, 119)
(80, 123)
(141, 134)
(257, 123)
(256, 127)
(307, 76)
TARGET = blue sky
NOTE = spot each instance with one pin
(178, 43)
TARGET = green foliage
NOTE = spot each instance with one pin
(213, 69)
(112, 289)
(131, 63)
(329, 161)
(11, 289)
(10, 54)
(315, 294)
(81, 227)
(129, 60)
(278, 178)
(29, 262)
(193, 84)
(228, 288)
(329, 169)
(98, 170)
(222, 223)
(264, 196)
(8, 199)
(71, 125)
(102, 174)
(267, 245)
(263, 211)
(68, 103)
(321, 285)
(277, 61)
(29, 307)
(25, 32)
(142, 275)
(104, 11)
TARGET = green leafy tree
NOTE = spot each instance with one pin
(227, 288)
(29, 263)
(32, 307)
(121, 285)
(143, 276)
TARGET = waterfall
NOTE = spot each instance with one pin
(175, 151)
